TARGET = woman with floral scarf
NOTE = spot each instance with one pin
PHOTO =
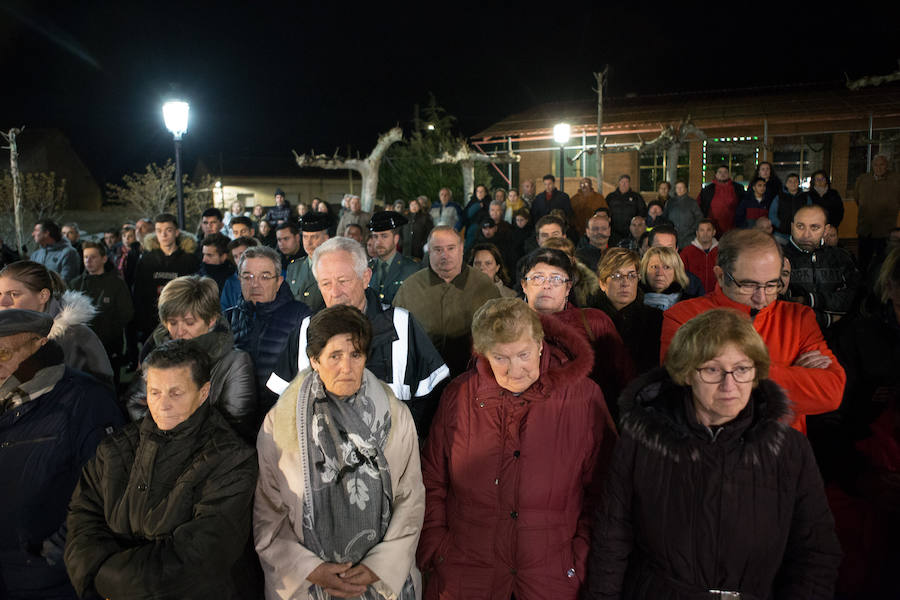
(340, 501)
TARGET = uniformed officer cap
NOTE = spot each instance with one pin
(386, 220)
(315, 221)
(17, 320)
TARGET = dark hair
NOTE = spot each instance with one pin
(522, 212)
(726, 167)
(101, 248)
(241, 221)
(771, 170)
(114, 231)
(662, 229)
(549, 176)
(498, 258)
(165, 218)
(292, 225)
(656, 202)
(51, 228)
(218, 240)
(34, 276)
(754, 180)
(789, 175)
(212, 212)
(338, 320)
(708, 221)
(550, 220)
(242, 241)
(549, 256)
(601, 210)
(624, 176)
(823, 173)
(179, 353)
(739, 240)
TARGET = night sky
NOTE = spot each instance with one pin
(262, 81)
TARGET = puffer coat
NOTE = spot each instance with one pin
(688, 510)
(512, 480)
(163, 514)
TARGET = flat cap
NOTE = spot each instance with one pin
(488, 222)
(386, 220)
(17, 320)
(315, 221)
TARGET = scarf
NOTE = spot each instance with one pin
(348, 502)
(37, 375)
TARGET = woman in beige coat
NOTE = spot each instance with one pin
(340, 501)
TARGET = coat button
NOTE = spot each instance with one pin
(142, 486)
(481, 404)
(570, 573)
(513, 571)
(497, 482)
(514, 515)
(516, 454)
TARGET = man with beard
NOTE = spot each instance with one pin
(444, 297)
(823, 277)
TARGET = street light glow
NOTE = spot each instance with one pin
(175, 114)
(562, 132)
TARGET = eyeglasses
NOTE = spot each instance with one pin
(742, 374)
(554, 280)
(263, 277)
(631, 277)
(751, 287)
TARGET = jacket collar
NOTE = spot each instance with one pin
(187, 429)
(721, 300)
(459, 281)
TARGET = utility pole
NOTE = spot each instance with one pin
(10, 137)
(600, 77)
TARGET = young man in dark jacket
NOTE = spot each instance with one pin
(163, 510)
(624, 204)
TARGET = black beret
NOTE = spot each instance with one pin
(315, 221)
(17, 320)
(386, 220)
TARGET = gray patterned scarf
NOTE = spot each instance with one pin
(348, 501)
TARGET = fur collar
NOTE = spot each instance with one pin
(658, 414)
(74, 308)
(566, 357)
(185, 241)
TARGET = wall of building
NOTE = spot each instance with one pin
(261, 190)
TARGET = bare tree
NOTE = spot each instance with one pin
(466, 158)
(367, 167)
(44, 197)
(148, 193)
(10, 137)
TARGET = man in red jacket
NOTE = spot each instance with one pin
(748, 274)
(699, 257)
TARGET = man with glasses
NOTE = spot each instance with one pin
(748, 273)
(263, 321)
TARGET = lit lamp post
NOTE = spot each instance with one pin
(561, 133)
(175, 114)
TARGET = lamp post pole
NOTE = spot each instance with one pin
(561, 133)
(178, 183)
(562, 167)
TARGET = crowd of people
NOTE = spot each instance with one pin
(522, 395)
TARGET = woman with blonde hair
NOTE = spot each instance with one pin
(711, 493)
(663, 278)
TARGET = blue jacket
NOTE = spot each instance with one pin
(60, 257)
(263, 329)
(43, 444)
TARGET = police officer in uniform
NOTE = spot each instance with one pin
(401, 354)
(389, 267)
(298, 275)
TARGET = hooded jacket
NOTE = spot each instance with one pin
(688, 510)
(60, 257)
(510, 479)
(82, 348)
(232, 387)
(700, 262)
(154, 270)
(46, 436)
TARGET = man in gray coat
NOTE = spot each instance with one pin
(55, 252)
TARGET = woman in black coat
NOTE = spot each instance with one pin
(710, 493)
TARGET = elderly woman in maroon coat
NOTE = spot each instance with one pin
(515, 458)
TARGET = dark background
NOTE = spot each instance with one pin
(264, 80)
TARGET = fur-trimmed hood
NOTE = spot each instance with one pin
(73, 308)
(566, 357)
(185, 240)
(659, 414)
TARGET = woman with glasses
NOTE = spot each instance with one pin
(620, 298)
(711, 494)
(514, 463)
(546, 282)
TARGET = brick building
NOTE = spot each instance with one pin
(797, 128)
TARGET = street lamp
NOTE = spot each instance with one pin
(561, 133)
(175, 114)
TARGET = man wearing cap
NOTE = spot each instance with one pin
(353, 214)
(298, 275)
(400, 354)
(390, 268)
(279, 213)
(51, 420)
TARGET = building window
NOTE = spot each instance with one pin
(883, 142)
(802, 155)
(740, 154)
(653, 167)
